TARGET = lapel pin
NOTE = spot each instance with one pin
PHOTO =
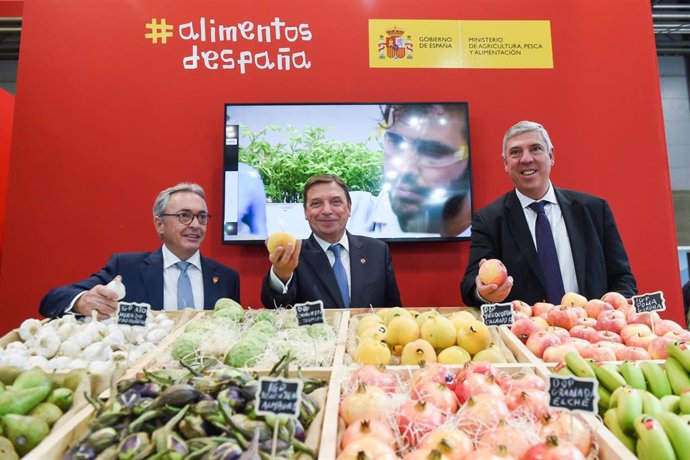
(362, 261)
(215, 280)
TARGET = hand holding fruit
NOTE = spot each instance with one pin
(101, 299)
(283, 250)
(493, 282)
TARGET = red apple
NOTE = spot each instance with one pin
(640, 340)
(493, 271)
(591, 322)
(643, 318)
(678, 335)
(607, 336)
(573, 299)
(523, 328)
(627, 309)
(611, 320)
(657, 347)
(562, 316)
(540, 341)
(578, 342)
(580, 312)
(616, 299)
(632, 354)
(540, 321)
(666, 325)
(541, 307)
(634, 329)
(560, 332)
(556, 353)
(522, 307)
(598, 352)
(595, 306)
(583, 332)
(519, 315)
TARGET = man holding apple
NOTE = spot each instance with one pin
(332, 265)
(551, 240)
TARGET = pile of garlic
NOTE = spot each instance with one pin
(67, 343)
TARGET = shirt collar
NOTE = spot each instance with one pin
(170, 259)
(549, 197)
(325, 244)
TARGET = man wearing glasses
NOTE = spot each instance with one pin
(173, 277)
(426, 173)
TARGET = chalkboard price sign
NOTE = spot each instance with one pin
(279, 396)
(498, 314)
(646, 303)
(132, 314)
(573, 394)
(309, 313)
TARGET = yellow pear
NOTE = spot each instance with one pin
(462, 314)
(492, 354)
(394, 312)
(376, 333)
(474, 336)
(370, 351)
(424, 316)
(415, 352)
(402, 330)
(454, 355)
(368, 321)
(439, 331)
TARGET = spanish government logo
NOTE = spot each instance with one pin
(395, 44)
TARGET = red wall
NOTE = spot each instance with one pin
(105, 119)
(6, 115)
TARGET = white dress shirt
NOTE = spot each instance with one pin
(560, 233)
(171, 274)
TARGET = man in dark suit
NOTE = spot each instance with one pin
(591, 259)
(180, 216)
(332, 265)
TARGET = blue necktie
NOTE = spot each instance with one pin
(548, 257)
(340, 275)
(185, 298)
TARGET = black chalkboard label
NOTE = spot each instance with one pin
(646, 303)
(573, 394)
(133, 314)
(309, 313)
(498, 314)
(279, 396)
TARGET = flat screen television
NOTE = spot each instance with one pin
(407, 166)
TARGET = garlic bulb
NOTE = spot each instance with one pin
(98, 351)
(78, 364)
(155, 336)
(47, 344)
(13, 360)
(70, 349)
(100, 367)
(29, 328)
(115, 338)
(60, 363)
(40, 362)
(117, 286)
(83, 338)
(65, 330)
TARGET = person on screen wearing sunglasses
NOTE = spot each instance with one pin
(426, 174)
(173, 277)
(551, 240)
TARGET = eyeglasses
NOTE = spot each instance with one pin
(188, 217)
(428, 154)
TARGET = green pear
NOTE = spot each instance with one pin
(25, 431)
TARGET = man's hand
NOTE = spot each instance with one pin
(285, 260)
(493, 293)
(101, 299)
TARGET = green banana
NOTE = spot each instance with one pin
(629, 408)
(678, 433)
(685, 402)
(615, 395)
(655, 442)
(562, 369)
(656, 379)
(650, 404)
(677, 375)
(607, 375)
(611, 422)
(681, 351)
(631, 372)
(671, 403)
(578, 365)
(604, 399)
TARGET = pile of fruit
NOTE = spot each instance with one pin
(435, 412)
(400, 336)
(606, 329)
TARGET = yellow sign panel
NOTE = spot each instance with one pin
(418, 43)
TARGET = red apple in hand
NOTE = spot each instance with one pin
(611, 320)
(279, 239)
(616, 299)
(493, 271)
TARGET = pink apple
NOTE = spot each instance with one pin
(666, 325)
(640, 340)
(573, 299)
(556, 353)
(643, 318)
(583, 332)
(578, 342)
(616, 299)
(634, 329)
(591, 322)
(540, 341)
(562, 316)
(595, 306)
(632, 354)
(580, 312)
(628, 310)
(611, 320)
(615, 346)
(519, 315)
(493, 271)
(607, 336)
(540, 321)
(523, 328)
(598, 352)
(522, 307)
(541, 307)
(657, 347)
(678, 335)
(560, 332)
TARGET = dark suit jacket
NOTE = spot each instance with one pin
(371, 272)
(500, 231)
(142, 275)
